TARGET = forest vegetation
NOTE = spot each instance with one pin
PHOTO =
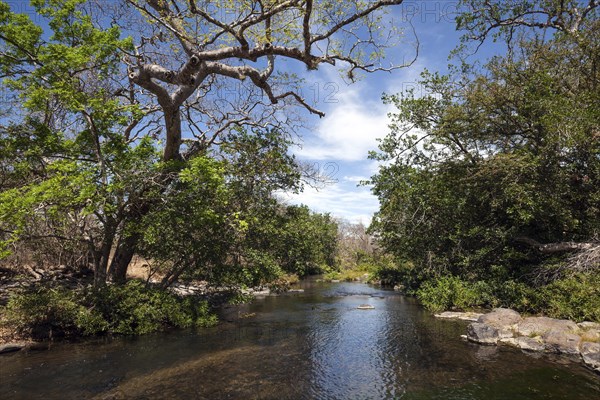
(490, 182)
(162, 130)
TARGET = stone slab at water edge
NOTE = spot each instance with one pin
(508, 327)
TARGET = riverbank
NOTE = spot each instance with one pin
(315, 344)
(38, 312)
(507, 327)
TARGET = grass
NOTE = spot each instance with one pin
(349, 275)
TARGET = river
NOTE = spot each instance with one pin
(310, 345)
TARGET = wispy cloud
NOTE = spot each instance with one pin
(353, 203)
(349, 131)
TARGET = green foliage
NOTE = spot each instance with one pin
(576, 298)
(347, 275)
(135, 309)
(51, 312)
(450, 292)
(488, 157)
(131, 309)
(391, 273)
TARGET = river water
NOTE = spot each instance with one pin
(310, 345)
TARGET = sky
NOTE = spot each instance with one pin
(338, 144)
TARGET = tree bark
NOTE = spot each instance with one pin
(551, 248)
(101, 264)
(123, 255)
(173, 128)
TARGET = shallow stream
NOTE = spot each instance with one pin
(310, 345)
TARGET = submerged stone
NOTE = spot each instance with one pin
(464, 316)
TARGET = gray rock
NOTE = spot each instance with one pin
(530, 344)
(366, 307)
(587, 325)
(464, 316)
(590, 352)
(590, 335)
(11, 347)
(562, 342)
(482, 333)
(501, 318)
(537, 326)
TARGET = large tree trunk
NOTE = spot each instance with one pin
(173, 125)
(127, 246)
(123, 255)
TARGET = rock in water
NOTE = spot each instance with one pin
(562, 342)
(365, 307)
(530, 344)
(534, 326)
(590, 352)
(464, 316)
(482, 333)
(501, 317)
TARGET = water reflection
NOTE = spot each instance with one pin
(313, 345)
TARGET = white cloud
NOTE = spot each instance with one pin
(348, 131)
(355, 179)
(344, 201)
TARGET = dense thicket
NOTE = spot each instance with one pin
(491, 180)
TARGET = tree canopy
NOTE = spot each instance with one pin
(494, 173)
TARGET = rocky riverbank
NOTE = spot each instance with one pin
(540, 334)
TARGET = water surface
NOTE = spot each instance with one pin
(311, 345)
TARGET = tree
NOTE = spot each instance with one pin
(354, 243)
(73, 163)
(500, 157)
(203, 68)
(242, 41)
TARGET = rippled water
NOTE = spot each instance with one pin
(311, 345)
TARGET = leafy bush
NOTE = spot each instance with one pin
(44, 313)
(513, 294)
(135, 309)
(130, 309)
(576, 298)
(347, 275)
(450, 292)
(390, 273)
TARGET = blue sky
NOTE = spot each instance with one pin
(339, 143)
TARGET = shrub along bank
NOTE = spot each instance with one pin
(131, 309)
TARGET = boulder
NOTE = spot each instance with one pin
(482, 333)
(366, 307)
(562, 342)
(590, 335)
(587, 325)
(590, 352)
(524, 343)
(501, 318)
(464, 316)
(530, 344)
(538, 326)
(12, 347)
